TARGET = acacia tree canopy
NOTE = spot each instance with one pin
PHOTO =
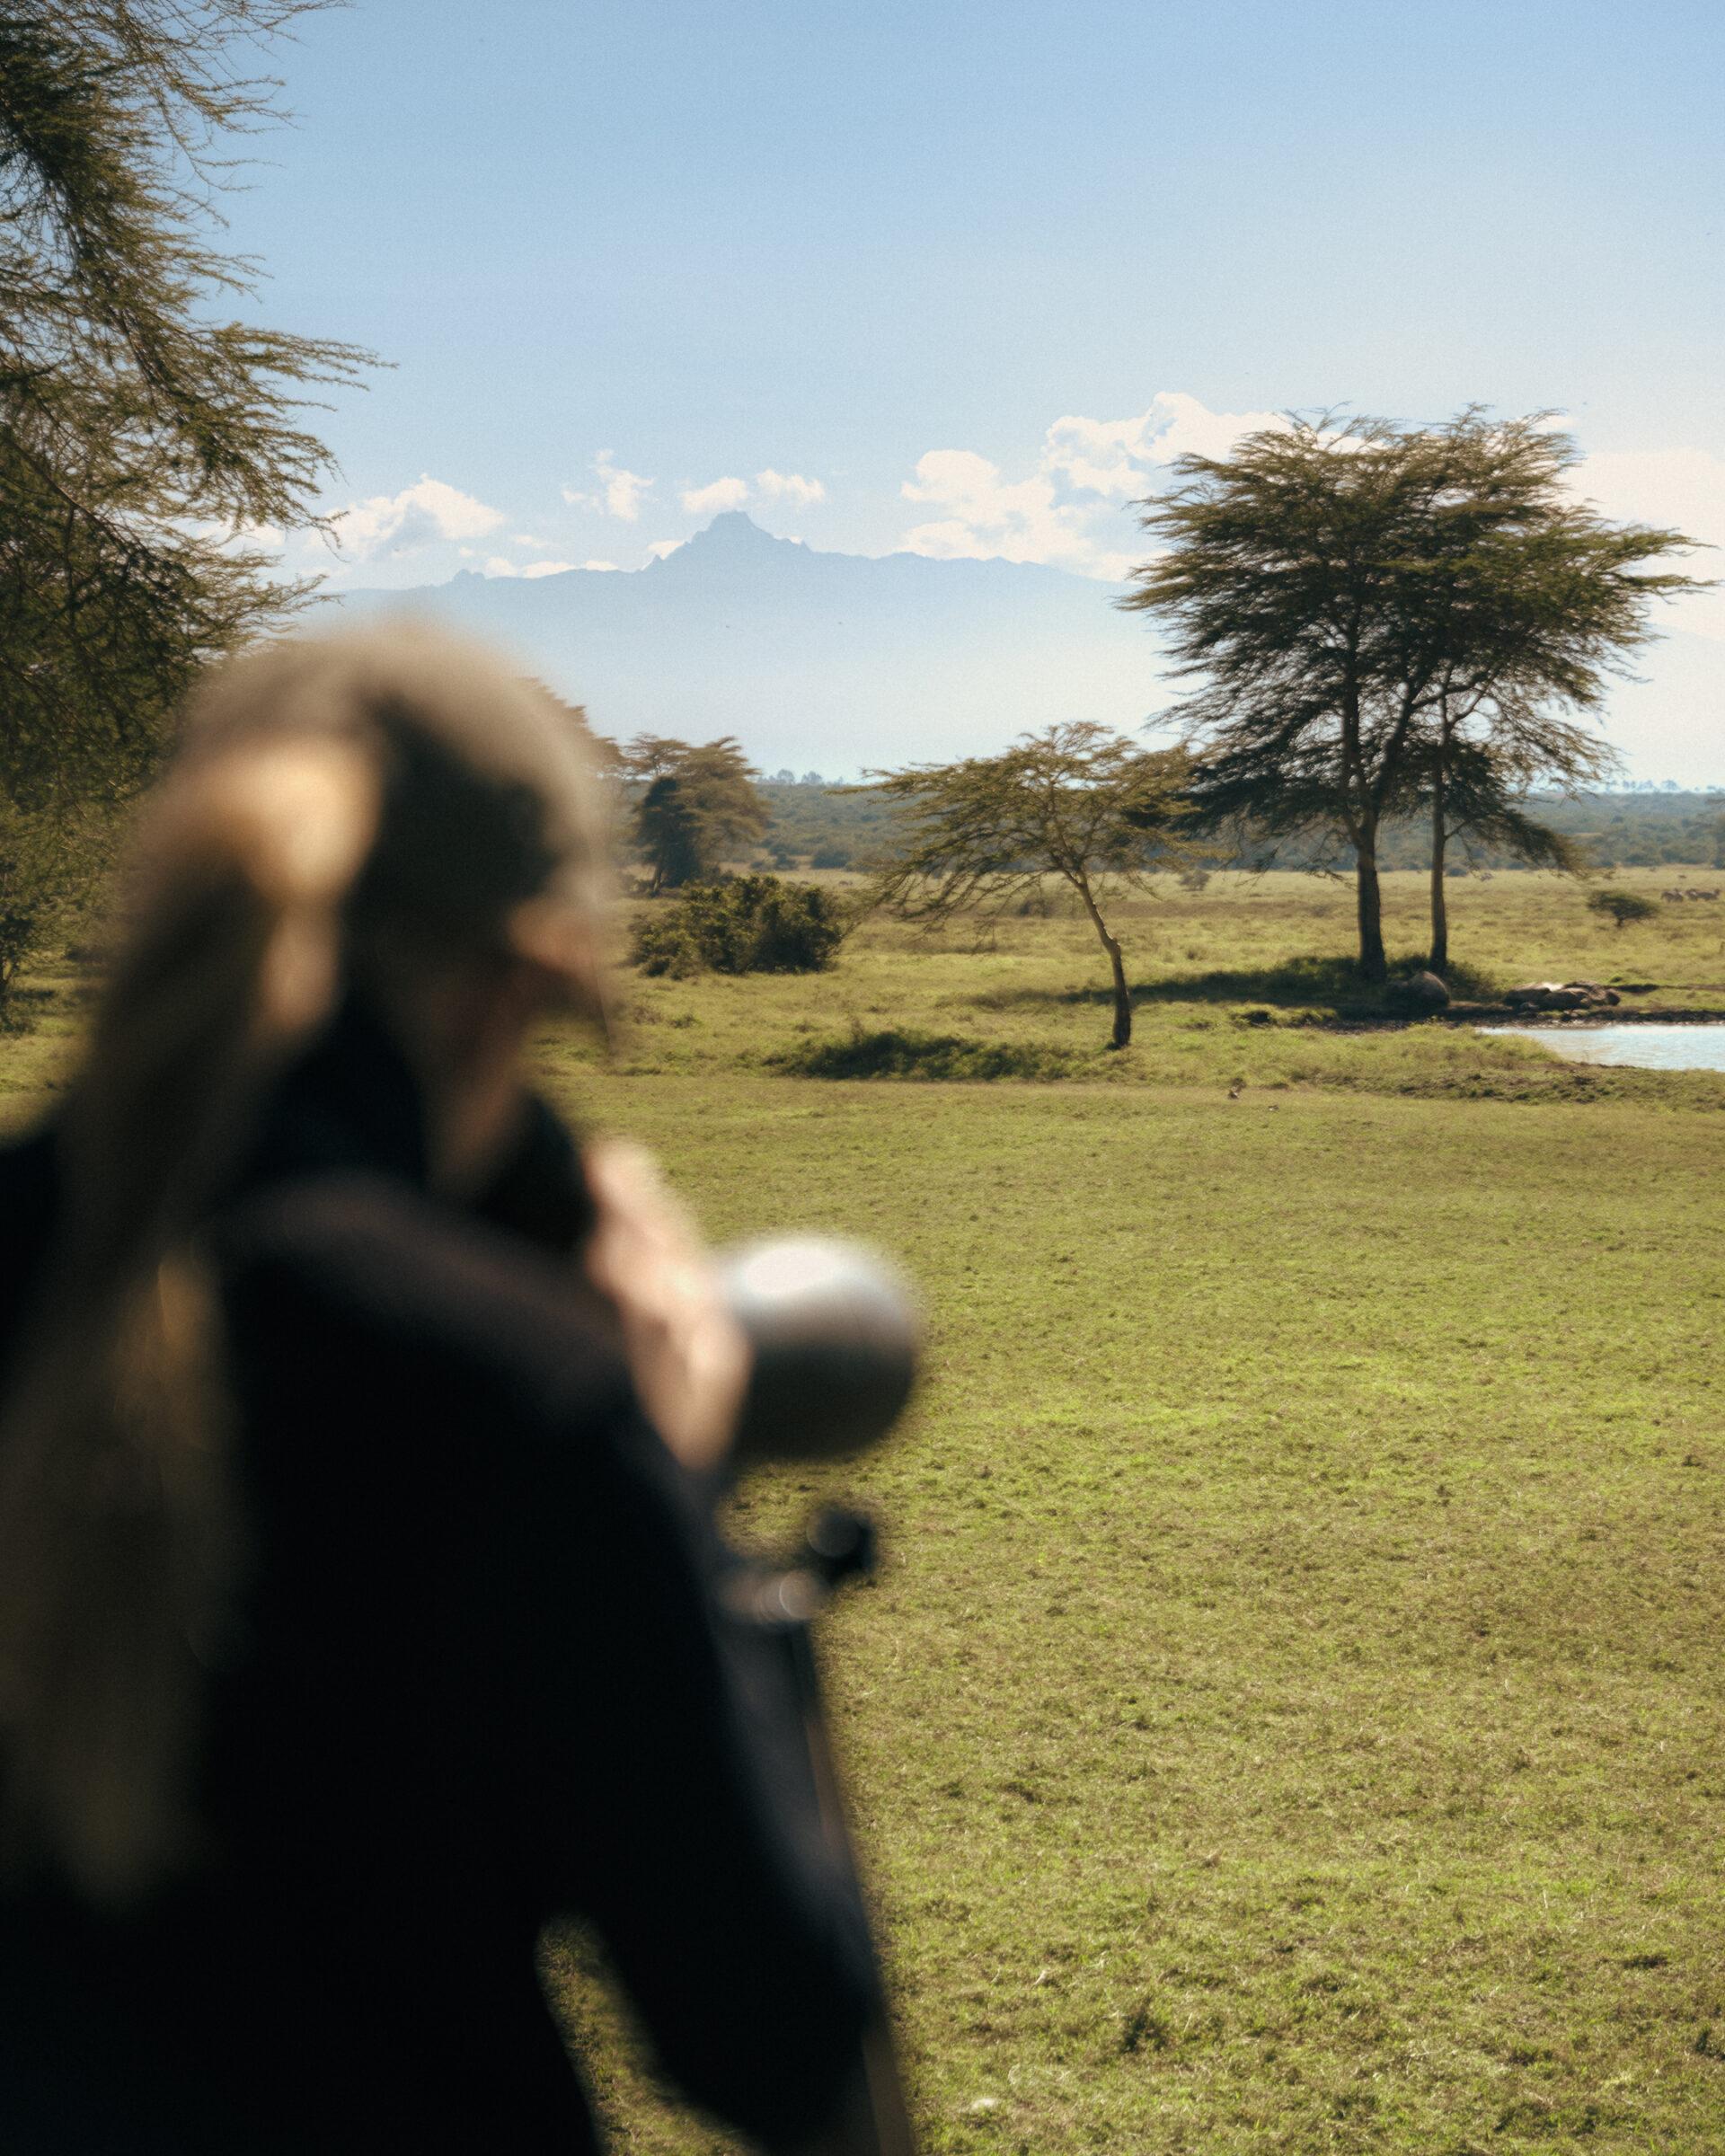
(1359, 601)
(1075, 800)
(147, 442)
(1531, 608)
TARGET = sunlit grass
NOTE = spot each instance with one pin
(1238, 984)
(1290, 1715)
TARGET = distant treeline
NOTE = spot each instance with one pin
(1619, 830)
(809, 820)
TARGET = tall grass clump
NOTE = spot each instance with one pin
(890, 1052)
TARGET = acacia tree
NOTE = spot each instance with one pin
(146, 440)
(1075, 802)
(1531, 618)
(1479, 788)
(1362, 602)
(695, 804)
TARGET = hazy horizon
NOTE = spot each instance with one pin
(810, 662)
(962, 282)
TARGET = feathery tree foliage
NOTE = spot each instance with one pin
(1388, 617)
(1532, 612)
(1075, 802)
(147, 445)
(696, 804)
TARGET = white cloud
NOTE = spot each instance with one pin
(1114, 457)
(499, 566)
(789, 486)
(619, 491)
(732, 493)
(1185, 427)
(1096, 456)
(598, 565)
(987, 516)
(1070, 508)
(1679, 489)
(661, 547)
(722, 494)
(1068, 511)
(419, 516)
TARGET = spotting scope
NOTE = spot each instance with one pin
(836, 1344)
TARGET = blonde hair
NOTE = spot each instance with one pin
(342, 806)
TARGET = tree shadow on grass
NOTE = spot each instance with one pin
(1294, 984)
(1330, 984)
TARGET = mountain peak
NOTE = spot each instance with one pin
(810, 657)
(732, 532)
(733, 523)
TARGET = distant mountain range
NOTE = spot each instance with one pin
(830, 662)
(839, 662)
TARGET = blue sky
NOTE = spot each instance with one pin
(961, 275)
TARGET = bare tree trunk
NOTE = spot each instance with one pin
(1362, 828)
(1117, 962)
(1439, 959)
(1122, 995)
(1374, 965)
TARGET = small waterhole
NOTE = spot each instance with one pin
(1650, 1047)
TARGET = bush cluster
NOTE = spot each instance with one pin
(744, 924)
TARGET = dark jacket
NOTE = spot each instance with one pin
(481, 1679)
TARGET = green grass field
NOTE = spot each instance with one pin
(1290, 1715)
(1232, 985)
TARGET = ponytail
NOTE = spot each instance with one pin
(354, 807)
(120, 1530)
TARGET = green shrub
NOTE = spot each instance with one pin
(746, 925)
(891, 1053)
(830, 856)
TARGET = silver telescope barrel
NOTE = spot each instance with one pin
(837, 1344)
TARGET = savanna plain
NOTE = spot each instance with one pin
(1288, 1713)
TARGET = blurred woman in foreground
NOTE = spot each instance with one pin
(355, 1590)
